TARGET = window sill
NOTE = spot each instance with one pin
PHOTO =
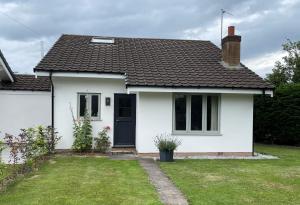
(95, 120)
(92, 120)
(196, 133)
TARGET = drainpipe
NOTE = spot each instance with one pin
(52, 110)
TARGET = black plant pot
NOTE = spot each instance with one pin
(166, 156)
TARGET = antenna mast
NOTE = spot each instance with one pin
(222, 16)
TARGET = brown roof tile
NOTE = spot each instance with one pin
(27, 83)
(150, 62)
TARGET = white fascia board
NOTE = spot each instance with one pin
(198, 90)
(41, 73)
(80, 75)
(6, 70)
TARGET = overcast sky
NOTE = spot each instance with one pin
(263, 25)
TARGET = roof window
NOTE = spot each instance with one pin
(103, 40)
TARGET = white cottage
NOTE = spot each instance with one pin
(143, 87)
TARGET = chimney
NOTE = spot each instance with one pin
(231, 49)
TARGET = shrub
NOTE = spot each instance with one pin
(14, 145)
(277, 119)
(165, 142)
(2, 165)
(2, 146)
(31, 143)
(47, 139)
(102, 143)
(38, 141)
(82, 132)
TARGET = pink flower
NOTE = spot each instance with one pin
(107, 128)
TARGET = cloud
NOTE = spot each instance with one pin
(264, 25)
(264, 63)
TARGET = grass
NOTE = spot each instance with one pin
(83, 180)
(240, 181)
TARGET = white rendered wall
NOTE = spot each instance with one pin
(66, 90)
(23, 109)
(154, 116)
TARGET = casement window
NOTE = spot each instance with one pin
(90, 103)
(195, 113)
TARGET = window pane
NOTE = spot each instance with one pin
(82, 105)
(180, 112)
(196, 112)
(125, 106)
(95, 106)
(212, 113)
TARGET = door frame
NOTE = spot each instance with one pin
(134, 120)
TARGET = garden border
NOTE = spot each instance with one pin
(22, 170)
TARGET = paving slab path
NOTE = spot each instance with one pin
(168, 193)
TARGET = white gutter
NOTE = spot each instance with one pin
(199, 90)
(80, 75)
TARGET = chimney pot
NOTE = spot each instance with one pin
(230, 30)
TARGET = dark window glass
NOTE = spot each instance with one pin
(125, 107)
(208, 113)
(180, 112)
(196, 112)
(82, 105)
(95, 106)
(212, 113)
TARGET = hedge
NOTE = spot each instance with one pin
(277, 119)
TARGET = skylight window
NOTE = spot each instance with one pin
(103, 40)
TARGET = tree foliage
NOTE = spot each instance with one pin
(277, 119)
(287, 71)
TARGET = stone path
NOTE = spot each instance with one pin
(123, 157)
(168, 193)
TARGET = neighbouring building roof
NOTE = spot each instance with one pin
(150, 62)
(27, 83)
(5, 69)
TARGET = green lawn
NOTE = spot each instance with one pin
(83, 180)
(240, 181)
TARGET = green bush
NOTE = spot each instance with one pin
(277, 119)
(37, 141)
(82, 132)
(102, 143)
(166, 142)
(2, 146)
(2, 165)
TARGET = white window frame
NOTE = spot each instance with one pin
(89, 105)
(188, 130)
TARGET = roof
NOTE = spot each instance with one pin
(27, 83)
(150, 62)
(7, 67)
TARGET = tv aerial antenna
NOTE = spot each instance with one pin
(222, 16)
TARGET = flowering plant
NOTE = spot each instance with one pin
(102, 142)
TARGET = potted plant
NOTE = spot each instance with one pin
(166, 144)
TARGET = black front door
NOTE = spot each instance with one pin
(124, 120)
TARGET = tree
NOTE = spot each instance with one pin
(287, 71)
